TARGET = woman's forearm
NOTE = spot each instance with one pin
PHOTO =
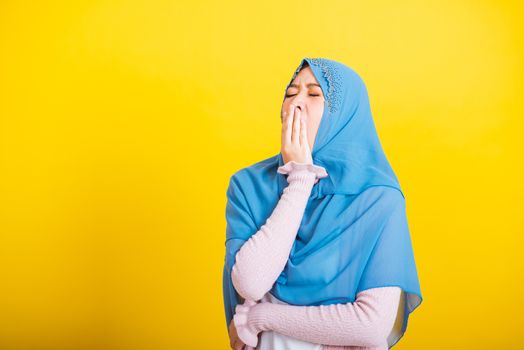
(366, 322)
(263, 256)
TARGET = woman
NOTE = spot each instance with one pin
(318, 249)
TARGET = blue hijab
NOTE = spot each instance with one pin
(354, 234)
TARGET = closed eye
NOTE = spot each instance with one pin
(295, 94)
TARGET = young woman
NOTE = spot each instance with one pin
(318, 249)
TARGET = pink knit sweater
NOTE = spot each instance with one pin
(364, 324)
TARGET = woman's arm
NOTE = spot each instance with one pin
(366, 322)
(263, 256)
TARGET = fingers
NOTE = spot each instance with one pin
(287, 125)
(295, 136)
(303, 133)
(294, 128)
(237, 344)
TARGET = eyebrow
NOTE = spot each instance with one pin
(308, 85)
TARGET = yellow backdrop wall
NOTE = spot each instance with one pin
(122, 121)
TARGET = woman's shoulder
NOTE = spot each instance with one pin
(381, 196)
(384, 191)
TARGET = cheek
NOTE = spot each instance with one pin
(318, 110)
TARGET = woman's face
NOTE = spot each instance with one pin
(305, 93)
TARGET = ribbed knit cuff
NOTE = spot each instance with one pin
(301, 179)
(302, 171)
(260, 316)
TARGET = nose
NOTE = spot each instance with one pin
(299, 104)
(298, 101)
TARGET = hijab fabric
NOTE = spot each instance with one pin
(354, 234)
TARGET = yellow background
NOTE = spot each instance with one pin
(122, 121)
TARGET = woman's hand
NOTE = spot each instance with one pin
(234, 340)
(295, 144)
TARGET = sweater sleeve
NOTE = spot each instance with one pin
(364, 324)
(261, 259)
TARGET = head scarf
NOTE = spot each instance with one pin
(354, 233)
